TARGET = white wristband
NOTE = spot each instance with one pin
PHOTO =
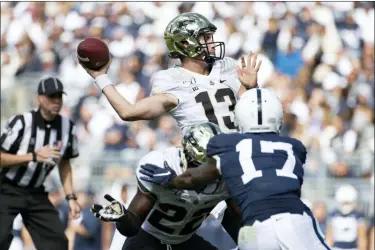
(103, 81)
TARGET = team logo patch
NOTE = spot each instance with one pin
(190, 82)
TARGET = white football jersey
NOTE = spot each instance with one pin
(201, 98)
(177, 214)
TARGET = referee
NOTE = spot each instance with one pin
(31, 145)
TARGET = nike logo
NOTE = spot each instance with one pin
(163, 174)
(221, 81)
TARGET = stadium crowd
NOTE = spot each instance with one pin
(318, 57)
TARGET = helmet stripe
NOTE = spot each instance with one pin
(259, 97)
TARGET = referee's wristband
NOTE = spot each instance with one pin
(103, 81)
(70, 197)
(34, 156)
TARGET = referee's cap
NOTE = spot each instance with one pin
(49, 85)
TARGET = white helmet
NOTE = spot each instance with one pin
(258, 111)
(346, 197)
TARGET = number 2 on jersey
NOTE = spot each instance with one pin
(204, 98)
(173, 213)
(245, 149)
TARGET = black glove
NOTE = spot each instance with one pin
(161, 176)
(113, 212)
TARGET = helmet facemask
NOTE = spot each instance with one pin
(204, 44)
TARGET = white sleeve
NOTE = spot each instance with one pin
(154, 158)
(228, 68)
(162, 83)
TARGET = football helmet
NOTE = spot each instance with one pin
(182, 37)
(346, 197)
(259, 111)
(195, 142)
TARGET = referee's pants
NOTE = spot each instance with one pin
(38, 214)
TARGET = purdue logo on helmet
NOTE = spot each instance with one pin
(182, 37)
(195, 141)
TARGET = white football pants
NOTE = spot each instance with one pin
(283, 232)
(117, 241)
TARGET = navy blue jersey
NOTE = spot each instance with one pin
(345, 228)
(263, 172)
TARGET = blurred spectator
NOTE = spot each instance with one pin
(56, 196)
(269, 44)
(167, 133)
(135, 67)
(319, 210)
(87, 228)
(92, 91)
(118, 137)
(333, 144)
(289, 62)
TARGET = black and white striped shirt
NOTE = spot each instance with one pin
(28, 132)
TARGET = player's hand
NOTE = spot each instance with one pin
(74, 209)
(248, 72)
(161, 176)
(113, 212)
(95, 73)
(48, 154)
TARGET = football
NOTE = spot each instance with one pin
(93, 53)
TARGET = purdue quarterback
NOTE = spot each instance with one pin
(205, 88)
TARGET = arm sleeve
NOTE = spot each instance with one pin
(11, 136)
(228, 68)
(72, 149)
(129, 224)
(164, 84)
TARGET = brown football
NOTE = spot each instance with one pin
(93, 53)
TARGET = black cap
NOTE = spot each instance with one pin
(50, 85)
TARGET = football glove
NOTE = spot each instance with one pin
(113, 212)
(160, 176)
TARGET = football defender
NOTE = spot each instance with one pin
(205, 88)
(264, 173)
(163, 218)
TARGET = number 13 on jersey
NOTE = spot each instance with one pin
(212, 111)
